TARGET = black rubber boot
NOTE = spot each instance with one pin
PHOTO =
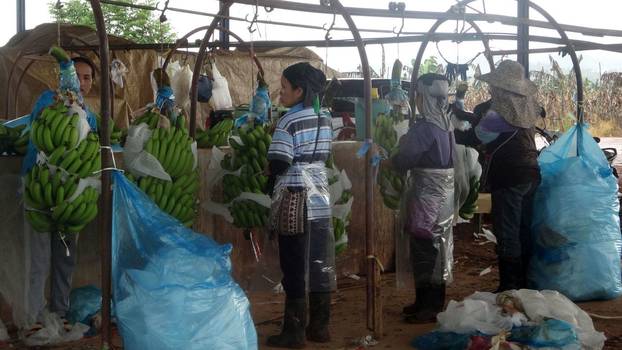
(319, 317)
(511, 274)
(293, 334)
(411, 309)
(432, 302)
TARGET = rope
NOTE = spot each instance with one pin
(373, 257)
(604, 317)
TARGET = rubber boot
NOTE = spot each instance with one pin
(411, 309)
(511, 274)
(293, 334)
(432, 302)
(319, 317)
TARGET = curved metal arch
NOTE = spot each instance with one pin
(569, 46)
(424, 44)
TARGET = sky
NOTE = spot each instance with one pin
(592, 13)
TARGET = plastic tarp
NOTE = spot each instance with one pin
(172, 287)
(479, 313)
(576, 227)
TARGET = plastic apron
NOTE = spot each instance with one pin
(425, 245)
(320, 243)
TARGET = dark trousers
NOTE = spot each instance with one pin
(294, 262)
(512, 212)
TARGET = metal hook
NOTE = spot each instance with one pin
(328, 30)
(162, 15)
(398, 7)
(254, 21)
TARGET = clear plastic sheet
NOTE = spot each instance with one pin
(172, 287)
(576, 227)
(426, 229)
(320, 273)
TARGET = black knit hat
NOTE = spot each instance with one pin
(310, 79)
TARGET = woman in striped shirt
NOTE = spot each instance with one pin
(301, 144)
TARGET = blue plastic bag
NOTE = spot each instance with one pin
(576, 227)
(437, 340)
(84, 303)
(549, 334)
(172, 287)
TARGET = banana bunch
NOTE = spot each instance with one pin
(83, 160)
(54, 129)
(468, 209)
(14, 140)
(250, 157)
(248, 214)
(48, 192)
(391, 182)
(215, 136)
(384, 134)
(391, 187)
(151, 118)
(116, 134)
(177, 198)
(172, 148)
(340, 228)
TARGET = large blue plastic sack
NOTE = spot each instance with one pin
(576, 227)
(437, 340)
(172, 287)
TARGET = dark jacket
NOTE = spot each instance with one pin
(512, 160)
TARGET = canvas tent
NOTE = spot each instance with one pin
(24, 62)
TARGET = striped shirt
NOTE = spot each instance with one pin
(293, 142)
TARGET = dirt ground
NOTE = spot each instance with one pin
(348, 322)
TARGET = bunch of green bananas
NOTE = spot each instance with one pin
(468, 209)
(172, 148)
(151, 118)
(83, 160)
(391, 182)
(215, 136)
(384, 134)
(54, 129)
(49, 186)
(391, 187)
(247, 214)
(250, 158)
(116, 134)
(14, 140)
(49, 195)
(177, 198)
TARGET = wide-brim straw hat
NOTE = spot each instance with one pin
(510, 76)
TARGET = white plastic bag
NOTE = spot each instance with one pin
(139, 162)
(221, 97)
(117, 72)
(181, 82)
(53, 331)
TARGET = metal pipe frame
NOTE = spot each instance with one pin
(367, 12)
(105, 227)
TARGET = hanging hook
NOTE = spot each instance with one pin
(162, 15)
(253, 22)
(401, 8)
(330, 28)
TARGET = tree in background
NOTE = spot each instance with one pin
(429, 65)
(138, 25)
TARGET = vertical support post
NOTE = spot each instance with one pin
(224, 22)
(21, 15)
(105, 203)
(522, 41)
(374, 293)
